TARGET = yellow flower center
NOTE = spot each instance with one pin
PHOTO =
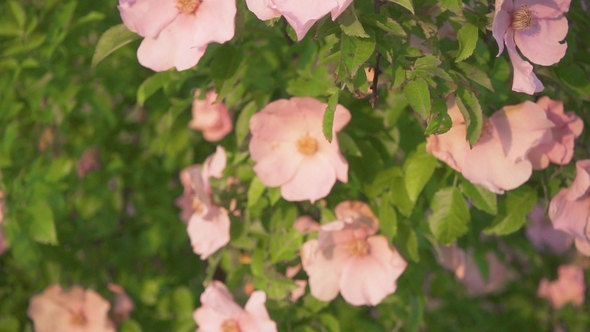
(187, 6)
(358, 248)
(230, 325)
(78, 319)
(521, 19)
(307, 145)
(197, 205)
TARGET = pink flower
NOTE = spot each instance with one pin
(88, 162)
(568, 288)
(468, 272)
(542, 234)
(569, 210)
(219, 312)
(290, 149)
(176, 32)
(349, 259)
(123, 305)
(208, 224)
(537, 27)
(73, 310)
(211, 118)
(498, 161)
(558, 147)
(301, 14)
(301, 284)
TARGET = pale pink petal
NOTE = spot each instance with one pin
(147, 17)
(299, 291)
(292, 271)
(474, 280)
(542, 234)
(256, 305)
(502, 21)
(209, 232)
(541, 43)
(209, 320)
(568, 288)
(357, 213)
(280, 166)
(217, 297)
(452, 258)
(123, 305)
(452, 146)
(313, 180)
(214, 21)
(306, 225)
(324, 269)
(583, 246)
(331, 151)
(263, 9)
(302, 14)
(172, 47)
(549, 9)
(367, 280)
(570, 216)
(279, 121)
(487, 166)
(211, 118)
(342, 5)
(581, 185)
(524, 79)
(520, 128)
(215, 164)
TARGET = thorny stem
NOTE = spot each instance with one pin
(375, 94)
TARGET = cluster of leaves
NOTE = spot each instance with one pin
(66, 86)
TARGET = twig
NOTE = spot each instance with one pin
(375, 94)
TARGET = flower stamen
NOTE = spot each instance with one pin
(197, 205)
(78, 319)
(358, 248)
(521, 19)
(230, 325)
(187, 6)
(307, 145)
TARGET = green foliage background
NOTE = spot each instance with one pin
(120, 224)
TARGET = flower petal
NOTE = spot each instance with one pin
(147, 17)
(279, 166)
(313, 179)
(524, 79)
(302, 14)
(324, 269)
(209, 232)
(541, 43)
(263, 9)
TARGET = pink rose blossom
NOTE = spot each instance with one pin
(211, 118)
(568, 288)
(123, 305)
(569, 210)
(219, 312)
(467, 271)
(208, 225)
(73, 310)
(290, 149)
(301, 14)
(88, 162)
(349, 259)
(498, 161)
(537, 27)
(176, 32)
(558, 147)
(542, 234)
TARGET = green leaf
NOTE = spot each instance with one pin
(350, 24)
(387, 218)
(407, 4)
(450, 215)
(255, 191)
(18, 12)
(418, 96)
(441, 122)
(408, 242)
(418, 169)
(42, 226)
(452, 5)
(481, 198)
(519, 203)
(243, 122)
(472, 112)
(427, 61)
(225, 64)
(384, 23)
(467, 37)
(183, 301)
(355, 52)
(476, 75)
(284, 245)
(153, 84)
(130, 326)
(398, 196)
(328, 120)
(110, 41)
